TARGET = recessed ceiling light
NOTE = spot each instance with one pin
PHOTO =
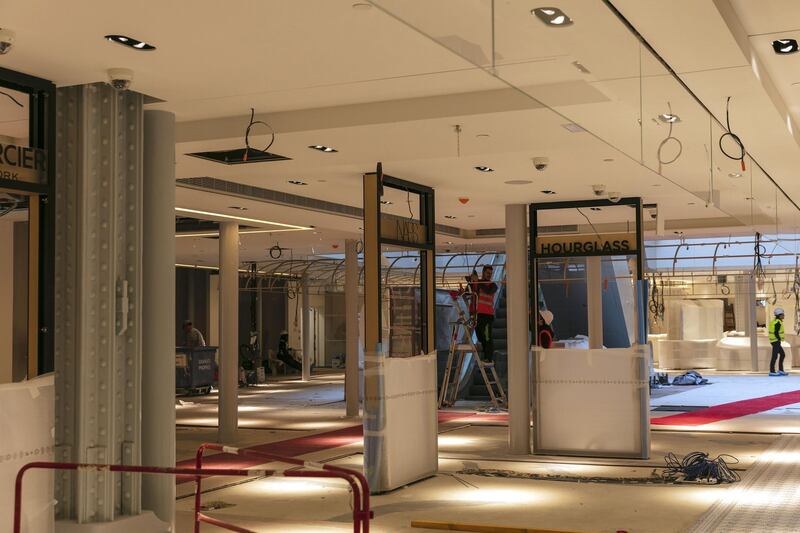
(734, 175)
(130, 42)
(749, 198)
(785, 46)
(669, 118)
(656, 185)
(297, 182)
(362, 6)
(595, 209)
(608, 160)
(518, 182)
(690, 203)
(547, 191)
(482, 136)
(450, 217)
(552, 16)
(484, 169)
(578, 65)
(386, 202)
(678, 232)
(449, 242)
(321, 148)
(237, 207)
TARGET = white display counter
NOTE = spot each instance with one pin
(592, 403)
(686, 354)
(27, 414)
(404, 439)
(734, 354)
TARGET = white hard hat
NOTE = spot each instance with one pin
(778, 311)
(547, 316)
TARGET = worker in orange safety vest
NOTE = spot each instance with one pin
(485, 290)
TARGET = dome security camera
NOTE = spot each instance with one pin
(120, 78)
(599, 189)
(6, 40)
(614, 196)
(540, 163)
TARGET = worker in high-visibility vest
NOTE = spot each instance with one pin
(776, 336)
(485, 290)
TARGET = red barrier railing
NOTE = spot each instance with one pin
(356, 480)
(198, 473)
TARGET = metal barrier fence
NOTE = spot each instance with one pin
(356, 480)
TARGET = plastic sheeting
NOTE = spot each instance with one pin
(591, 402)
(680, 355)
(400, 434)
(27, 413)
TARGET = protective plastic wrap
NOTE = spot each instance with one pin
(27, 413)
(591, 402)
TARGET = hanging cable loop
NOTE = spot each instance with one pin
(735, 138)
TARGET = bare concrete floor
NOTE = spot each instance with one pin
(291, 409)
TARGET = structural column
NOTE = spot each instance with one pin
(594, 300)
(158, 312)
(517, 305)
(351, 382)
(98, 303)
(308, 332)
(228, 331)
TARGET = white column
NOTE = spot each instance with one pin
(158, 312)
(752, 323)
(517, 300)
(594, 300)
(228, 331)
(308, 332)
(351, 384)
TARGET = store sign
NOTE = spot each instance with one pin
(402, 230)
(577, 245)
(23, 163)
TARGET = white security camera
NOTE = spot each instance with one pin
(599, 189)
(6, 40)
(614, 196)
(120, 78)
(540, 163)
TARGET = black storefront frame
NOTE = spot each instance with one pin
(42, 135)
(533, 210)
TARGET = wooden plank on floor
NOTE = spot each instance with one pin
(475, 528)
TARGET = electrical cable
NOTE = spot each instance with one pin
(696, 466)
(590, 223)
(276, 252)
(758, 253)
(734, 137)
(252, 123)
(12, 99)
(666, 140)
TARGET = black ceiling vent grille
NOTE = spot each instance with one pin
(239, 156)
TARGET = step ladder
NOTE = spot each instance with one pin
(451, 381)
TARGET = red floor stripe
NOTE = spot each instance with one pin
(314, 443)
(726, 411)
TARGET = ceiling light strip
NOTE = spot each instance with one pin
(242, 219)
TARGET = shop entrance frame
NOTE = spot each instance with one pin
(41, 135)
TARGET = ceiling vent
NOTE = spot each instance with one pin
(239, 156)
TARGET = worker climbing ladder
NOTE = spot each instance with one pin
(463, 329)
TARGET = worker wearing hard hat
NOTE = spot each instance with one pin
(776, 336)
(545, 328)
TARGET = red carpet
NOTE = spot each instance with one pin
(726, 411)
(315, 443)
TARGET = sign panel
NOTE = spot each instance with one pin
(404, 230)
(584, 245)
(23, 163)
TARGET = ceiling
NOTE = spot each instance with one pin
(390, 84)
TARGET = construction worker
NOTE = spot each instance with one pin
(485, 290)
(545, 329)
(776, 336)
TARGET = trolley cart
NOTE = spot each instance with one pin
(195, 369)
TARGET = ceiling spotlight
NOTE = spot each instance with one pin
(608, 160)
(678, 232)
(321, 148)
(484, 169)
(734, 175)
(237, 207)
(362, 6)
(595, 209)
(297, 182)
(482, 135)
(785, 46)
(450, 217)
(669, 118)
(449, 242)
(552, 16)
(130, 42)
(547, 191)
(6, 40)
(386, 202)
(518, 182)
